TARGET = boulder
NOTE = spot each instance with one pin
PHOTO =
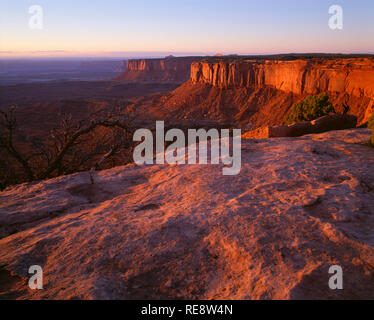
(323, 124)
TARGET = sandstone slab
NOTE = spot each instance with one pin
(298, 206)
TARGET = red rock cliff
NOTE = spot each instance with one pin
(171, 70)
(353, 76)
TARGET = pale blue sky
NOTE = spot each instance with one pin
(93, 27)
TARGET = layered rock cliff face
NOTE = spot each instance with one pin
(170, 70)
(256, 92)
(353, 78)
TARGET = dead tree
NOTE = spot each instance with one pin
(63, 140)
(8, 123)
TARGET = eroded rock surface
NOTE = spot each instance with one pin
(298, 206)
(167, 70)
(347, 81)
(353, 76)
(322, 124)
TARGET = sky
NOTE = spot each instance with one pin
(120, 28)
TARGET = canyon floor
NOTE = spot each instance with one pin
(299, 206)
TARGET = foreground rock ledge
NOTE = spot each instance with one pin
(322, 124)
(299, 206)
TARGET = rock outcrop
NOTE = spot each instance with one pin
(168, 70)
(323, 124)
(350, 80)
(353, 76)
(299, 206)
(262, 92)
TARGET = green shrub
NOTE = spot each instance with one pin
(310, 108)
(371, 122)
(371, 126)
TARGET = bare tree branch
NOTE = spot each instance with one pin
(10, 124)
(72, 140)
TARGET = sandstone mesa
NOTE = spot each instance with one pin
(234, 89)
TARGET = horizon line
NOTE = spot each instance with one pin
(115, 55)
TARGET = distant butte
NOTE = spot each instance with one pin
(168, 70)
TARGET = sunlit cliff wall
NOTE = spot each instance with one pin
(353, 77)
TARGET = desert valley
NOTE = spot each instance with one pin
(103, 227)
